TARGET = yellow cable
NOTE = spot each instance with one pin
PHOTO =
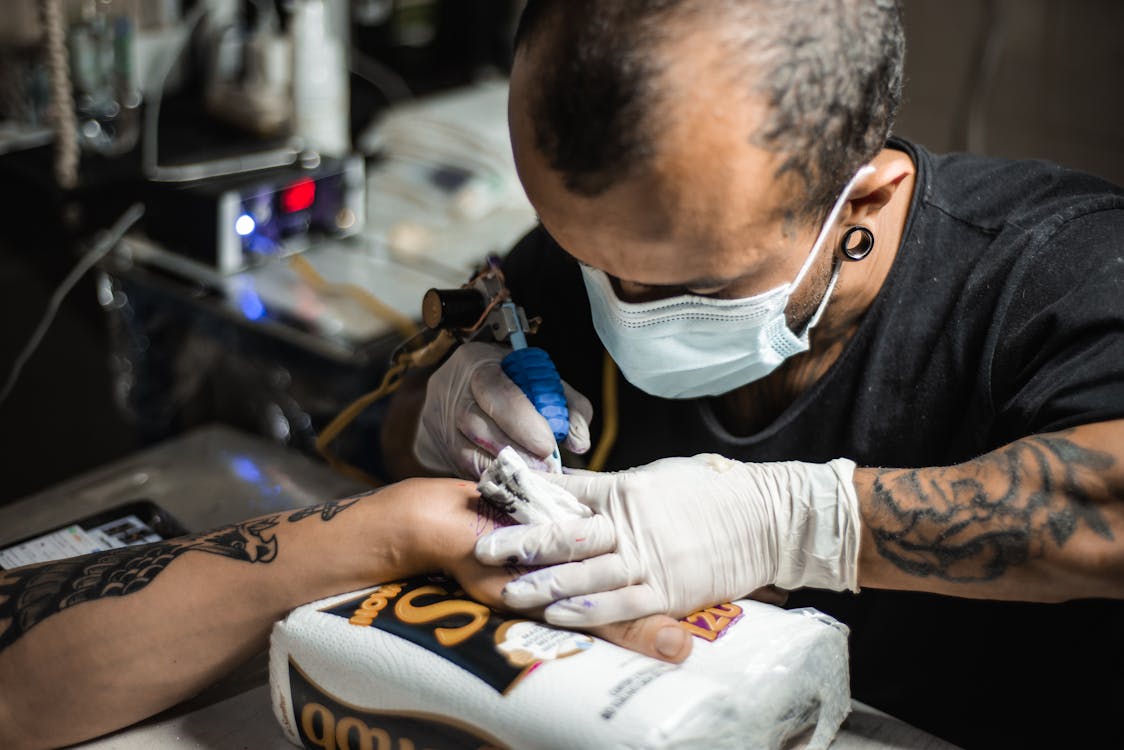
(608, 415)
(428, 355)
(304, 269)
(390, 382)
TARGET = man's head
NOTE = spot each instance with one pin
(653, 135)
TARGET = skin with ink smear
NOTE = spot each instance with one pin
(490, 518)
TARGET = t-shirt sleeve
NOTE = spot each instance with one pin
(1059, 349)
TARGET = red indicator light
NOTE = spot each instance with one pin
(298, 196)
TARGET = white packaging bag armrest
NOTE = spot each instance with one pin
(415, 665)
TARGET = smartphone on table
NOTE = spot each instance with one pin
(135, 522)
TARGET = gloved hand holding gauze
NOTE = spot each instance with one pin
(680, 534)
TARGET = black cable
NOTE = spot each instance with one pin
(104, 244)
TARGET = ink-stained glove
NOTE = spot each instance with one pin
(472, 410)
(682, 534)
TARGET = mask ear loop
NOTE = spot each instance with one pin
(844, 195)
(830, 222)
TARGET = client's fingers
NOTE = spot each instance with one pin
(658, 636)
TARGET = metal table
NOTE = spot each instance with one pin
(214, 476)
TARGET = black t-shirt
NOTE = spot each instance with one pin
(1001, 317)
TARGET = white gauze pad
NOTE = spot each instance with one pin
(511, 487)
(414, 665)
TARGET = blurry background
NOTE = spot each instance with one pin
(389, 173)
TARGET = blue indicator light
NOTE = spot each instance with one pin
(245, 225)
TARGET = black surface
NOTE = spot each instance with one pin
(60, 419)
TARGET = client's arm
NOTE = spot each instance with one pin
(101, 641)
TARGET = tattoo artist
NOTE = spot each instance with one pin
(888, 381)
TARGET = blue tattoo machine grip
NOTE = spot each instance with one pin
(534, 372)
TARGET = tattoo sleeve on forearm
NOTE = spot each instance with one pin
(973, 521)
(33, 593)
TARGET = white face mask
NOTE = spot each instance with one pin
(690, 346)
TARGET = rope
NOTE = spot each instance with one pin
(62, 95)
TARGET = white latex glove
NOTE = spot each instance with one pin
(472, 410)
(682, 534)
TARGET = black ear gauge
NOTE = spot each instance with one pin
(857, 243)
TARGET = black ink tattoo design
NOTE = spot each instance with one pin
(328, 510)
(946, 523)
(31, 594)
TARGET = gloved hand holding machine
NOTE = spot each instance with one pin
(415, 660)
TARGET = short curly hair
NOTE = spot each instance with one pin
(831, 71)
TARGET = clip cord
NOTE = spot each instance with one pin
(427, 355)
(401, 360)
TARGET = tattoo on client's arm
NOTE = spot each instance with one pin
(31, 594)
(974, 521)
(327, 511)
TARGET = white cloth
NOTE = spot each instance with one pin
(511, 486)
(770, 675)
(679, 534)
(472, 410)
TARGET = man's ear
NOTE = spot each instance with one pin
(873, 191)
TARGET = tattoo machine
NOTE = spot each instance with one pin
(484, 304)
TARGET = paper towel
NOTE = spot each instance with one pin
(414, 665)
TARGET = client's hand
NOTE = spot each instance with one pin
(449, 516)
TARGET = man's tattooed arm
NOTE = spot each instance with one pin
(30, 594)
(1049, 503)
